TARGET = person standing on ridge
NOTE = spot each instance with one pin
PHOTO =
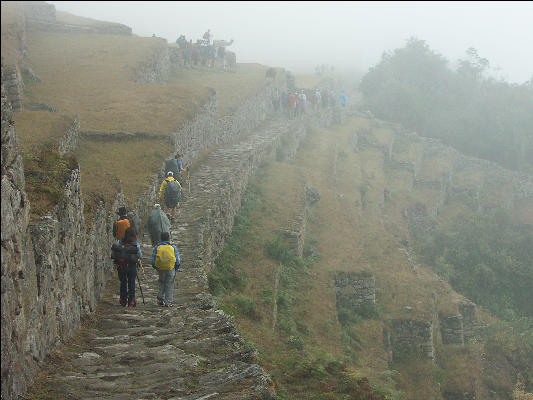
(126, 253)
(207, 36)
(166, 259)
(170, 192)
(343, 98)
(122, 223)
(157, 224)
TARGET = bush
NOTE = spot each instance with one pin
(245, 306)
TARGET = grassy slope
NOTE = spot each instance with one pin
(349, 237)
(90, 75)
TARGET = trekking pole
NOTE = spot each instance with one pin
(188, 180)
(140, 287)
(141, 265)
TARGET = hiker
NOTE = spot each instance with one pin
(157, 223)
(292, 105)
(126, 253)
(166, 259)
(343, 99)
(285, 102)
(176, 166)
(207, 36)
(122, 223)
(318, 99)
(170, 192)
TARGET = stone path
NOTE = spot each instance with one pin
(192, 350)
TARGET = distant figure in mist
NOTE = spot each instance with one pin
(343, 99)
(207, 36)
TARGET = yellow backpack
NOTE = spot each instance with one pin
(165, 259)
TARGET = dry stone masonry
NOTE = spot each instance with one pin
(54, 270)
(353, 290)
(190, 351)
(409, 336)
(13, 85)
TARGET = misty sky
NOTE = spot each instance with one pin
(349, 35)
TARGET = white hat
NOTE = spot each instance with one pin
(157, 205)
(170, 173)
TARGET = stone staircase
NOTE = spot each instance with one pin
(192, 350)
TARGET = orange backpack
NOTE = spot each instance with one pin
(122, 225)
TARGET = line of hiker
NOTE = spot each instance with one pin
(126, 254)
(126, 251)
(298, 101)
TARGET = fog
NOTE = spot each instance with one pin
(348, 35)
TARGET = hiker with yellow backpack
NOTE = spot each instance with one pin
(170, 193)
(166, 259)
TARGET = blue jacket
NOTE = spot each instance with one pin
(176, 253)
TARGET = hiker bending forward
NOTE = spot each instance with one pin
(166, 259)
(126, 253)
(170, 192)
(157, 224)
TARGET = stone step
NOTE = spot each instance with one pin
(189, 351)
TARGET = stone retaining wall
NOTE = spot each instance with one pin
(69, 141)
(54, 270)
(408, 336)
(13, 86)
(353, 290)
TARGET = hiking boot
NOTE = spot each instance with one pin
(123, 302)
(168, 304)
(133, 303)
(160, 301)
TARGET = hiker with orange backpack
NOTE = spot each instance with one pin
(122, 223)
(166, 259)
(125, 253)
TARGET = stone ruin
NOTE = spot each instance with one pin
(354, 290)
